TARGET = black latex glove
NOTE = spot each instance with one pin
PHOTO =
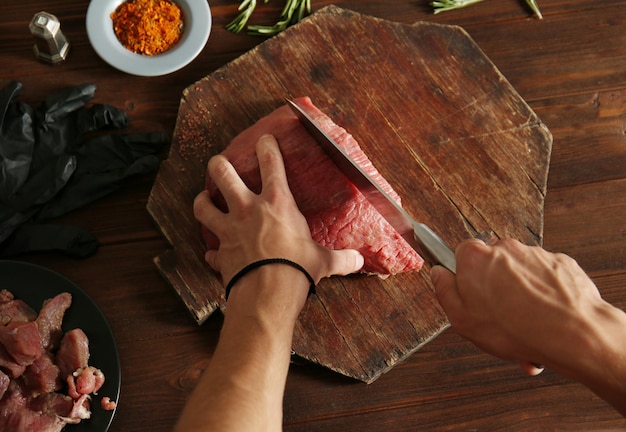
(47, 169)
(70, 240)
(18, 142)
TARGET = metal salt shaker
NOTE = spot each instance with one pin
(51, 45)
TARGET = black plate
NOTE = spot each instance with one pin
(34, 284)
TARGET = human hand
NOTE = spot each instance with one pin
(268, 225)
(518, 302)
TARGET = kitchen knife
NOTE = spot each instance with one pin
(418, 235)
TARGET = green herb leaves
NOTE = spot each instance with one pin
(535, 7)
(246, 8)
(446, 5)
(292, 13)
(295, 10)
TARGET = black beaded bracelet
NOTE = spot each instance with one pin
(266, 261)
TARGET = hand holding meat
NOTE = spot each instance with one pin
(339, 216)
(268, 225)
(256, 339)
(526, 304)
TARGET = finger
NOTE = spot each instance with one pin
(471, 254)
(531, 369)
(344, 262)
(471, 245)
(211, 258)
(227, 180)
(488, 237)
(205, 211)
(446, 290)
(271, 163)
(58, 105)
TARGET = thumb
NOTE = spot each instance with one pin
(344, 262)
(210, 257)
(446, 289)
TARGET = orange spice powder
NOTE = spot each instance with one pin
(148, 27)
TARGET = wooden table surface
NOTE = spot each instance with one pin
(570, 67)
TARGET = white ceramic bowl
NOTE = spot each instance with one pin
(196, 29)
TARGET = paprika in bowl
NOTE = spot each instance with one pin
(148, 37)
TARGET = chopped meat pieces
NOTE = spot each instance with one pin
(6, 296)
(42, 376)
(12, 310)
(50, 319)
(73, 353)
(45, 379)
(80, 410)
(84, 381)
(22, 341)
(339, 216)
(4, 383)
(107, 404)
(9, 365)
(20, 413)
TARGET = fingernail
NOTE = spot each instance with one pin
(266, 137)
(359, 261)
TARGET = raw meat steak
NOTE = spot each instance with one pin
(338, 215)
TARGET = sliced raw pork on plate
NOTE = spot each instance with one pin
(338, 215)
(45, 380)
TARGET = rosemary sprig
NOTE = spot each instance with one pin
(446, 5)
(292, 13)
(239, 23)
(535, 7)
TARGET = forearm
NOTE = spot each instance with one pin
(599, 359)
(526, 304)
(243, 386)
(236, 392)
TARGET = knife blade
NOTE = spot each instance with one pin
(417, 234)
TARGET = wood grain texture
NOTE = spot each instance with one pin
(434, 115)
(569, 67)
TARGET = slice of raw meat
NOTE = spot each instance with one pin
(12, 310)
(73, 353)
(5, 296)
(17, 415)
(42, 376)
(56, 404)
(338, 215)
(50, 319)
(9, 365)
(22, 342)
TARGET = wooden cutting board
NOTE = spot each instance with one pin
(464, 151)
